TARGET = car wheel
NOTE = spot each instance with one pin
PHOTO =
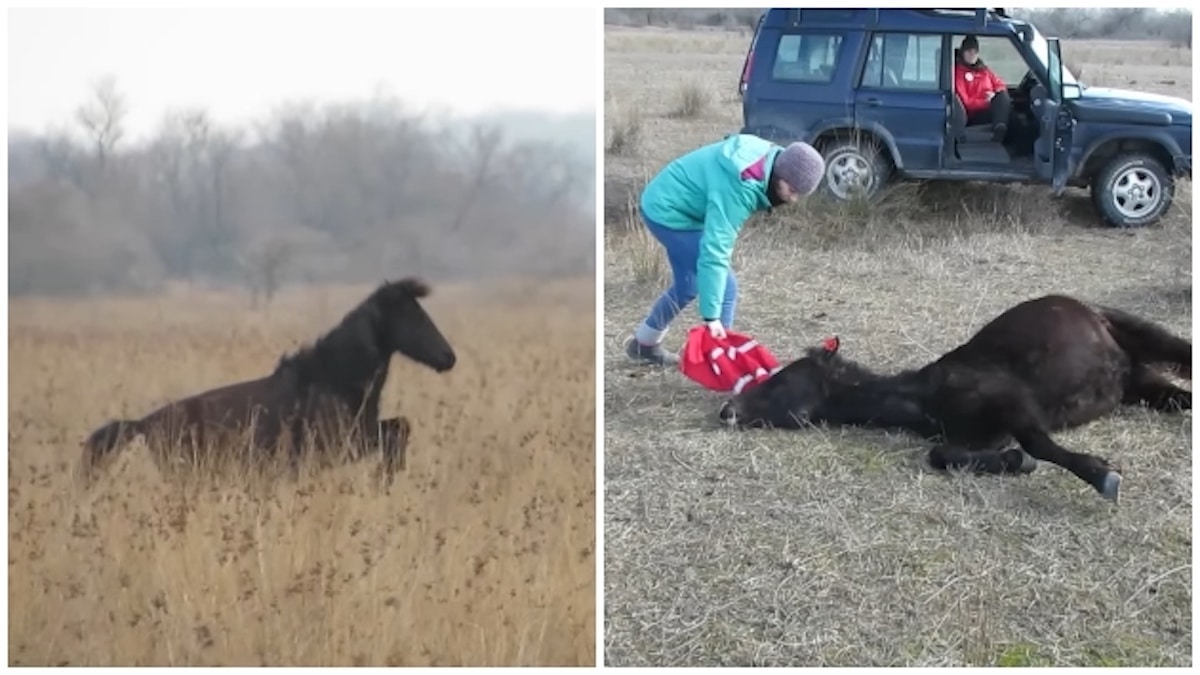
(853, 168)
(1132, 190)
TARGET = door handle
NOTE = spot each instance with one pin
(872, 101)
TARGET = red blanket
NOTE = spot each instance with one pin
(731, 364)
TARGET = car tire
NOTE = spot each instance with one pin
(851, 162)
(1132, 190)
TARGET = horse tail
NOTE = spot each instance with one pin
(102, 442)
(1148, 342)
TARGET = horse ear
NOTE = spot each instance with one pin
(414, 287)
(831, 344)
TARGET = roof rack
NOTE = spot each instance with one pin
(998, 11)
(982, 16)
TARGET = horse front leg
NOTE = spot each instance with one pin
(1020, 416)
(1091, 469)
(1011, 461)
(393, 442)
(297, 442)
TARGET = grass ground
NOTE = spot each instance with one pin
(837, 547)
(482, 554)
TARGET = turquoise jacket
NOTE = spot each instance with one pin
(713, 189)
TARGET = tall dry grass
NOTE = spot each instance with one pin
(482, 553)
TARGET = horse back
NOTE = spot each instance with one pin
(1059, 349)
(265, 402)
(1040, 333)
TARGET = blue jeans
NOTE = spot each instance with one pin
(683, 252)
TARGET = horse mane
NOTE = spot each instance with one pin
(837, 369)
(857, 394)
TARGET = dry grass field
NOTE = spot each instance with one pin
(482, 553)
(837, 547)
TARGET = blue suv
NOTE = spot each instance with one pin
(873, 90)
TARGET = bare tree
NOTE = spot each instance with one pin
(481, 151)
(62, 158)
(102, 118)
(264, 267)
(189, 162)
(330, 193)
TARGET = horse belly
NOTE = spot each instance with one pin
(261, 431)
(965, 418)
(1090, 401)
(975, 432)
(1072, 397)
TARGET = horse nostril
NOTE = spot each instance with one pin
(727, 413)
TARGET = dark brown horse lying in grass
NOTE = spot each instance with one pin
(1042, 366)
(324, 397)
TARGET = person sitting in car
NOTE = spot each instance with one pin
(983, 94)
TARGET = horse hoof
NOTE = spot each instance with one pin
(1112, 487)
(1028, 463)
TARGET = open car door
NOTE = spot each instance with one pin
(1053, 146)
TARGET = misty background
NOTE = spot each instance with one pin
(312, 189)
(1170, 24)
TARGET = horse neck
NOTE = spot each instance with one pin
(884, 401)
(354, 374)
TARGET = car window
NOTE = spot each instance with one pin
(903, 61)
(810, 57)
(1001, 56)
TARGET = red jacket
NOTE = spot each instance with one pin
(973, 84)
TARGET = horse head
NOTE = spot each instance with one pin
(402, 325)
(792, 397)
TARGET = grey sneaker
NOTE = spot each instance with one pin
(653, 354)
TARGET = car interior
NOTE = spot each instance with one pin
(974, 143)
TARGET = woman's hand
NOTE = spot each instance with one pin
(715, 328)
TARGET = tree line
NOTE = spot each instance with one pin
(311, 193)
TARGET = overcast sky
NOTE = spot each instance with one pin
(240, 63)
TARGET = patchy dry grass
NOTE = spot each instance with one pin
(693, 101)
(482, 553)
(837, 547)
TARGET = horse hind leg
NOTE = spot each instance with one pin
(1151, 388)
(1148, 342)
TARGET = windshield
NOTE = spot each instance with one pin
(1042, 49)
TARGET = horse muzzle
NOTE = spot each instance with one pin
(728, 414)
(445, 362)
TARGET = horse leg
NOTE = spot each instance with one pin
(1012, 461)
(295, 447)
(1018, 413)
(1148, 342)
(1152, 388)
(394, 434)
